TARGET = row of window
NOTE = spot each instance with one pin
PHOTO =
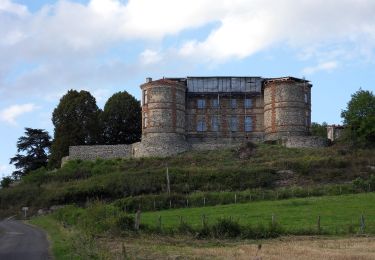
(215, 103)
(233, 124)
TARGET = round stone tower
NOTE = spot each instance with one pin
(287, 107)
(163, 118)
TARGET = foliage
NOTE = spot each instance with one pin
(67, 243)
(226, 228)
(5, 182)
(216, 175)
(319, 129)
(32, 150)
(76, 122)
(359, 117)
(121, 118)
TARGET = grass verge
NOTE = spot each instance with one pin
(69, 243)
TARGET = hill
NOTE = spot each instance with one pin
(260, 172)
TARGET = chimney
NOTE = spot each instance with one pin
(148, 80)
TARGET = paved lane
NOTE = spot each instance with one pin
(19, 241)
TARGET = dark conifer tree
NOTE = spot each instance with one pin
(76, 121)
(122, 119)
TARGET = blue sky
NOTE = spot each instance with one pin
(106, 46)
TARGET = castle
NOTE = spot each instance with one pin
(192, 113)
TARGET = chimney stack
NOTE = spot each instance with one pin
(148, 80)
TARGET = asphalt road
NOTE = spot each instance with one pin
(19, 241)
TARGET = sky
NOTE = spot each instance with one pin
(104, 46)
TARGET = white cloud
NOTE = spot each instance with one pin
(12, 8)
(10, 114)
(251, 26)
(150, 57)
(324, 66)
(67, 40)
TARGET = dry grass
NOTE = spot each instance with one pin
(297, 248)
(283, 248)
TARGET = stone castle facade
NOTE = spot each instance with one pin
(180, 114)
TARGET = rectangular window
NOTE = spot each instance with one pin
(215, 103)
(306, 97)
(307, 119)
(248, 103)
(201, 125)
(248, 124)
(201, 103)
(215, 123)
(233, 123)
(145, 121)
(233, 103)
(145, 97)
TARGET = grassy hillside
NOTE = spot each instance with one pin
(338, 214)
(246, 171)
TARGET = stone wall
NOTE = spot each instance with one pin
(160, 144)
(92, 152)
(287, 104)
(304, 141)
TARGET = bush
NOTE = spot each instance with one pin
(226, 228)
(125, 222)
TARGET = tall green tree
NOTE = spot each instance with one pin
(6, 182)
(76, 121)
(122, 119)
(359, 118)
(32, 150)
(319, 129)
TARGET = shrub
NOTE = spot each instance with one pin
(226, 228)
(125, 222)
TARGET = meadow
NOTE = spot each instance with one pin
(338, 214)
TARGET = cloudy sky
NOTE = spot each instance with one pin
(48, 47)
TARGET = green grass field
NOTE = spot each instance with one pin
(339, 214)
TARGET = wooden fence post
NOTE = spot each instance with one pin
(168, 183)
(363, 224)
(159, 220)
(137, 221)
(318, 224)
(235, 198)
(203, 220)
(204, 201)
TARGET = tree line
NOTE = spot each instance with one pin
(78, 120)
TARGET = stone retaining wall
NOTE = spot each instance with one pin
(304, 141)
(92, 152)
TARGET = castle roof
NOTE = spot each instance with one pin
(164, 82)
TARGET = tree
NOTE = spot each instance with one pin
(122, 119)
(32, 151)
(359, 118)
(319, 129)
(5, 182)
(76, 121)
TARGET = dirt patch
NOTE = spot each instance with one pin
(159, 247)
